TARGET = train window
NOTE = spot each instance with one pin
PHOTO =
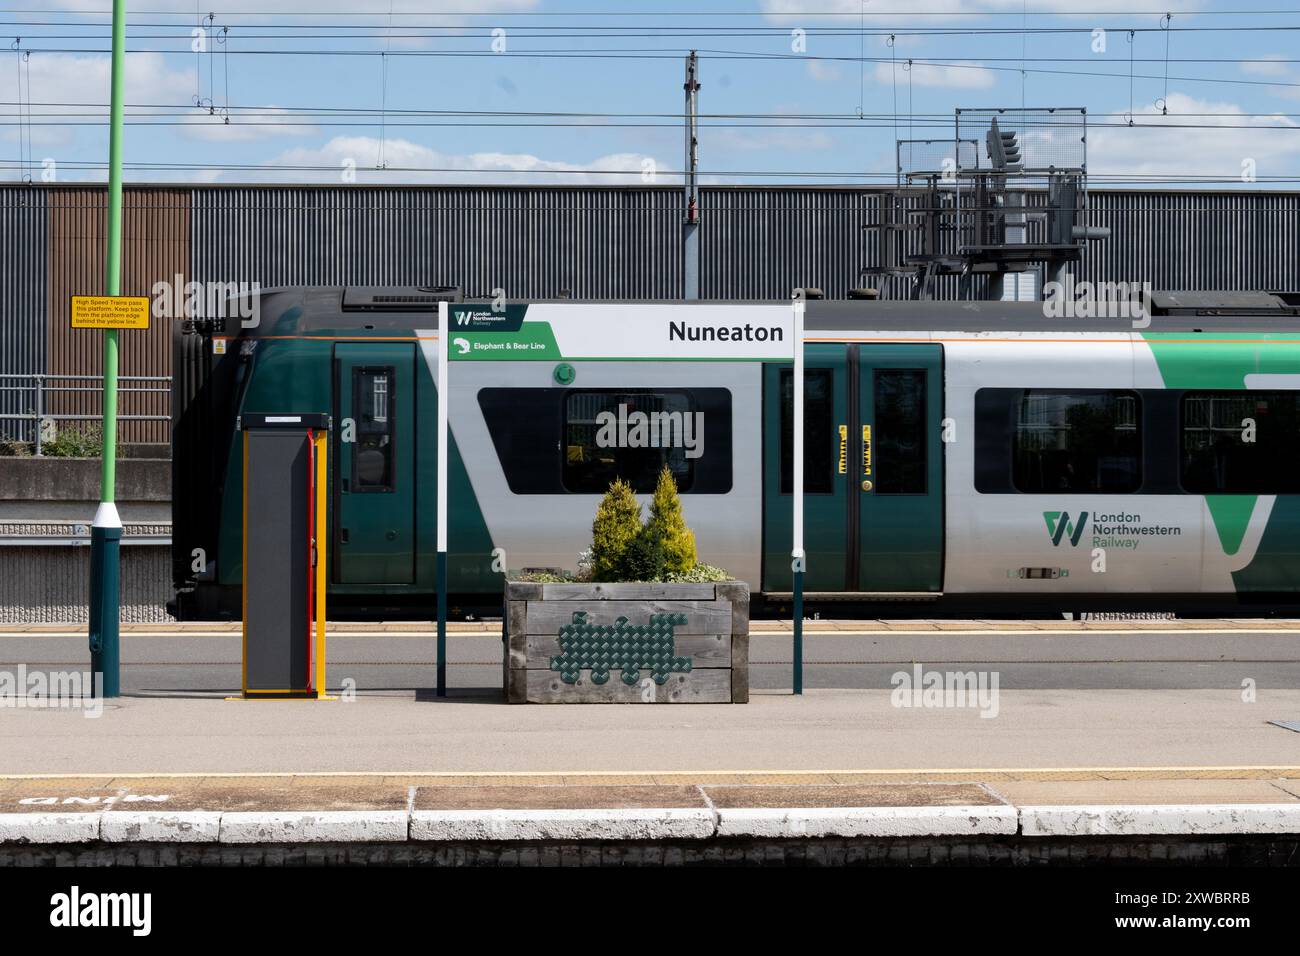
(819, 442)
(900, 431)
(630, 434)
(546, 445)
(1241, 443)
(373, 391)
(1077, 441)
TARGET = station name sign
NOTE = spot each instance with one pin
(603, 331)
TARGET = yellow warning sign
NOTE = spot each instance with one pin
(110, 312)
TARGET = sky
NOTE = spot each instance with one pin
(540, 91)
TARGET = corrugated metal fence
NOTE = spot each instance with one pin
(1196, 240)
(533, 243)
(24, 221)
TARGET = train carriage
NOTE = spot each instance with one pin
(959, 455)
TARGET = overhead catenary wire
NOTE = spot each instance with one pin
(647, 31)
(659, 54)
(658, 14)
(843, 176)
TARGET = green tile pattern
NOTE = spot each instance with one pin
(602, 648)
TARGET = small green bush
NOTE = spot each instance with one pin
(622, 549)
(75, 442)
(668, 526)
(700, 574)
(617, 525)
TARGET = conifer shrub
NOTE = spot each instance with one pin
(668, 526)
(645, 558)
(623, 549)
(617, 525)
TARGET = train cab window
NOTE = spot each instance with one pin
(632, 435)
(819, 442)
(373, 392)
(900, 431)
(1241, 442)
(1085, 441)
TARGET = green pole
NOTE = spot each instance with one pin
(106, 533)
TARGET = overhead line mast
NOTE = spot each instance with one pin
(691, 223)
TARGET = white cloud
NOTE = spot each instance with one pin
(785, 11)
(1159, 148)
(80, 83)
(409, 162)
(374, 8)
(1267, 64)
(970, 76)
(244, 128)
(74, 88)
(1274, 66)
(824, 71)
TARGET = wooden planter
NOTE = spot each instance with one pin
(627, 643)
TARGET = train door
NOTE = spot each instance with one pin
(898, 468)
(873, 470)
(826, 470)
(374, 527)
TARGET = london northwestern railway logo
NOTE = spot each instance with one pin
(1061, 525)
(1122, 530)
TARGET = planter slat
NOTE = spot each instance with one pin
(547, 617)
(629, 592)
(711, 686)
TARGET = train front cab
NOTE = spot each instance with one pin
(873, 472)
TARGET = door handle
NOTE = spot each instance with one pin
(844, 449)
(343, 482)
(867, 477)
(343, 535)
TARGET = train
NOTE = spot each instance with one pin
(960, 457)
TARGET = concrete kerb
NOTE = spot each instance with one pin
(868, 822)
(1168, 820)
(679, 823)
(620, 824)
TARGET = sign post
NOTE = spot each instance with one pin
(106, 532)
(797, 557)
(444, 396)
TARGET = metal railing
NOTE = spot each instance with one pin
(38, 402)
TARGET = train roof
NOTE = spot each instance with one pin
(361, 309)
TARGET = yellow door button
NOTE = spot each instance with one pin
(866, 486)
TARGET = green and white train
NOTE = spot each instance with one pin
(966, 454)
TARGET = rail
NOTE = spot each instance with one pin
(38, 402)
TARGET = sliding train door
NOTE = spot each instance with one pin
(374, 528)
(825, 474)
(898, 469)
(873, 470)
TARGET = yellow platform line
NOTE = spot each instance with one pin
(739, 777)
